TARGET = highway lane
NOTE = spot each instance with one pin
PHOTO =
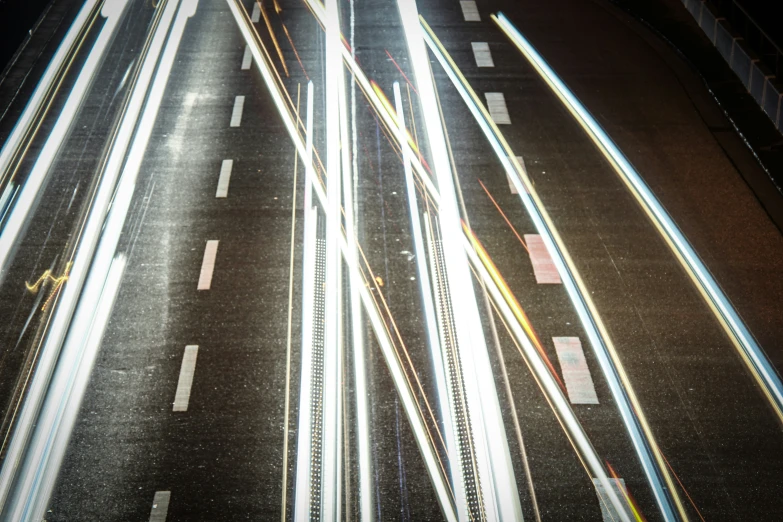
(649, 305)
(222, 457)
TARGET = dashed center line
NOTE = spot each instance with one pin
(186, 371)
(208, 265)
(482, 54)
(608, 510)
(236, 114)
(496, 104)
(225, 177)
(543, 266)
(256, 16)
(470, 11)
(576, 373)
(247, 59)
(160, 506)
(511, 185)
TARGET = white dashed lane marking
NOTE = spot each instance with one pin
(225, 177)
(160, 506)
(208, 265)
(608, 511)
(470, 11)
(496, 104)
(186, 371)
(576, 374)
(256, 16)
(482, 54)
(543, 266)
(236, 114)
(247, 59)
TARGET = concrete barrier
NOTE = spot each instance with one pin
(757, 78)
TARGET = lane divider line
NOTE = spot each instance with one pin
(208, 265)
(470, 11)
(543, 265)
(185, 382)
(496, 104)
(482, 55)
(256, 16)
(236, 113)
(224, 179)
(576, 373)
(160, 506)
(247, 58)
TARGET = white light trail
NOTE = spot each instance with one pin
(630, 410)
(496, 474)
(34, 467)
(28, 195)
(302, 493)
(750, 351)
(387, 349)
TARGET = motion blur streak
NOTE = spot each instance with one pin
(743, 340)
(32, 472)
(17, 219)
(630, 409)
(495, 471)
(397, 373)
(25, 121)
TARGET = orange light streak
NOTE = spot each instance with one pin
(296, 53)
(511, 300)
(504, 216)
(272, 34)
(401, 71)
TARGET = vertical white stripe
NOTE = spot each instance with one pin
(496, 105)
(482, 54)
(470, 11)
(208, 265)
(160, 506)
(225, 177)
(256, 12)
(576, 373)
(608, 509)
(236, 114)
(543, 266)
(186, 371)
(247, 58)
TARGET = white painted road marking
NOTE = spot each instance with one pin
(186, 371)
(543, 266)
(511, 185)
(208, 265)
(470, 11)
(256, 13)
(482, 54)
(236, 114)
(225, 177)
(160, 506)
(608, 511)
(576, 373)
(496, 104)
(247, 58)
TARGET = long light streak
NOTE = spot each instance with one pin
(397, 373)
(17, 218)
(304, 452)
(45, 85)
(289, 328)
(268, 24)
(496, 474)
(330, 472)
(366, 509)
(425, 285)
(613, 370)
(750, 351)
(552, 389)
(25, 464)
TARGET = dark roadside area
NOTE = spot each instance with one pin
(758, 153)
(18, 18)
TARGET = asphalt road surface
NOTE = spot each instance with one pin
(193, 409)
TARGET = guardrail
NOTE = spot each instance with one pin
(750, 52)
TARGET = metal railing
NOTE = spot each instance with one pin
(751, 32)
